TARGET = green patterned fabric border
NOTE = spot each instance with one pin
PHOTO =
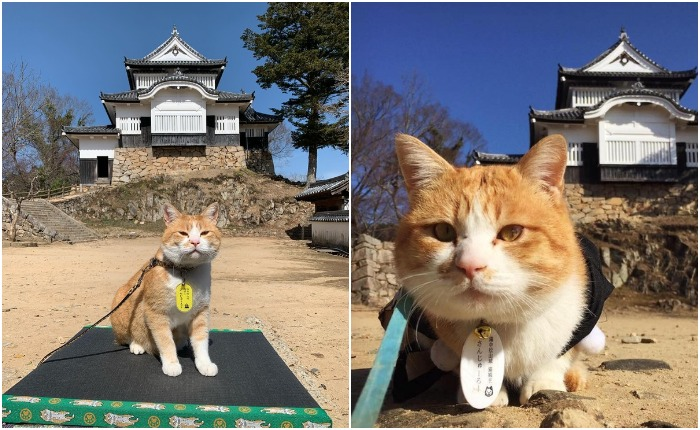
(109, 413)
(223, 330)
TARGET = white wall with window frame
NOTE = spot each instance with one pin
(178, 112)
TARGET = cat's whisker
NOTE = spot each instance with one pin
(415, 275)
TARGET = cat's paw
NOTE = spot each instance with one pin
(135, 348)
(443, 357)
(172, 369)
(501, 398)
(206, 368)
(534, 385)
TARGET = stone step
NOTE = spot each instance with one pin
(52, 223)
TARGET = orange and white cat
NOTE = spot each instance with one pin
(150, 320)
(495, 244)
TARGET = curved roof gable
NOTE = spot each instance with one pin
(623, 57)
(641, 95)
(173, 50)
(136, 95)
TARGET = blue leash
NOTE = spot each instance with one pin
(372, 396)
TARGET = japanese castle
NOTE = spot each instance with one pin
(622, 117)
(173, 117)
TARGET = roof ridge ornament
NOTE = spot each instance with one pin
(623, 34)
(174, 32)
(638, 85)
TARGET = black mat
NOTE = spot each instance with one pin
(253, 382)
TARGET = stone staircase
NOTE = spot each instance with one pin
(52, 223)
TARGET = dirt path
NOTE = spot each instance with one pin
(298, 297)
(623, 398)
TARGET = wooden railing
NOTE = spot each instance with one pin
(48, 193)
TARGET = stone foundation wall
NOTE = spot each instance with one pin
(590, 203)
(260, 161)
(131, 164)
(25, 229)
(373, 272)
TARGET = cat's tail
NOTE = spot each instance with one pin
(594, 343)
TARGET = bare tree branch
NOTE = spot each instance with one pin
(378, 113)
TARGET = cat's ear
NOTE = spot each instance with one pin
(546, 162)
(170, 214)
(212, 212)
(419, 164)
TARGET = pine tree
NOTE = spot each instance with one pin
(305, 47)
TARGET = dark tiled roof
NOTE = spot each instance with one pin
(226, 96)
(330, 186)
(128, 96)
(331, 216)
(486, 158)
(577, 114)
(137, 62)
(570, 114)
(684, 74)
(252, 116)
(93, 129)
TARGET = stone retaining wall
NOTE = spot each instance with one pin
(373, 272)
(25, 229)
(590, 203)
(131, 164)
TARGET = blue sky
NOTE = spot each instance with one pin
(489, 62)
(79, 49)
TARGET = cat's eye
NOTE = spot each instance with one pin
(184, 233)
(510, 233)
(205, 232)
(444, 232)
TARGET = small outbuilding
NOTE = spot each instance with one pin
(330, 223)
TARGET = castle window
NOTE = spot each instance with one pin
(225, 125)
(178, 123)
(574, 156)
(691, 153)
(129, 125)
(254, 132)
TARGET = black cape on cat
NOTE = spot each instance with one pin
(597, 291)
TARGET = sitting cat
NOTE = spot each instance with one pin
(172, 302)
(495, 244)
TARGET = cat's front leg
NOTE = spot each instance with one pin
(549, 376)
(163, 336)
(501, 398)
(199, 338)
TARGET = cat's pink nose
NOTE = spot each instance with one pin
(471, 266)
(194, 241)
